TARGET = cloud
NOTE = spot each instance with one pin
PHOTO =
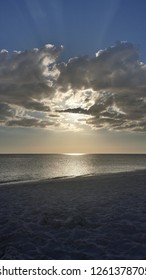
(113, 67)
(25, 77)
(30, 122)
(106, 91)
(5, 112)
(118, 80)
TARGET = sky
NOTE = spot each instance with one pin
(72, 76)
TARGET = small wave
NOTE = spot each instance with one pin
(17, 181)
(61, 177)
(9, 181)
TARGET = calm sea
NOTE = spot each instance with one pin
(35, 167)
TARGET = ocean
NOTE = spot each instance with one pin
(33, 167)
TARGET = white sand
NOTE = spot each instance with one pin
(101, 217)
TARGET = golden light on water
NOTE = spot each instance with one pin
(74, 154)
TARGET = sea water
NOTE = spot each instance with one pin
(28, 167)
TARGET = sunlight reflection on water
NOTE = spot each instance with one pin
(35, 167)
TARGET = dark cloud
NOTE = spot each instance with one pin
(74, 110)
(29, 122)
(74, 74)
(6, 112)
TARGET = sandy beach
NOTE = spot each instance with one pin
(102, 217)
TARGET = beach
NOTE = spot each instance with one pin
(86, 217)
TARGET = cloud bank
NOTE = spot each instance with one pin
(107, 91)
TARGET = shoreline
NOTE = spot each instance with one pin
(100, 217)
(73, 178)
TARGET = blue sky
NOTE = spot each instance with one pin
(91, 103)
(82, 26)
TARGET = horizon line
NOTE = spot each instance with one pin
(74, 154)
